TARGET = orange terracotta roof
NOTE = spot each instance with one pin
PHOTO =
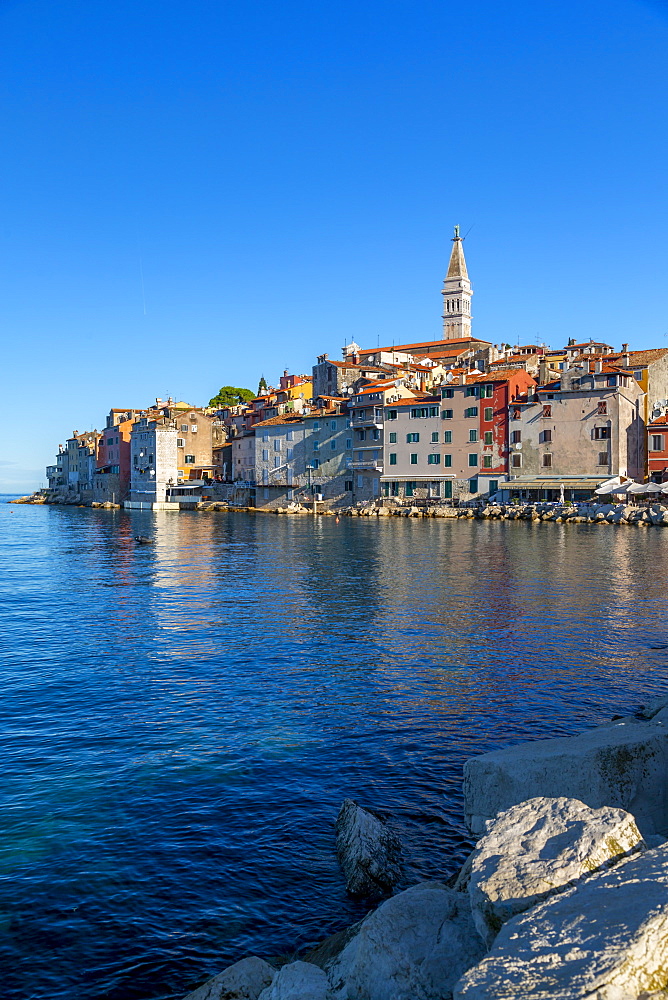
(405, 348)
(658, 421)
(284, 418)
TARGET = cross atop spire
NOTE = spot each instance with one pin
(457, 266)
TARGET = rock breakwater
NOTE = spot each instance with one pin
(565, 895)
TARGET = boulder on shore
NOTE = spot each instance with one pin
(245, 980)
(539, 848)
(298, 981)
(606, 938)
(368, 852)
(623, 764)
(415, 946)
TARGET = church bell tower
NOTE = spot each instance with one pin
(457, 294)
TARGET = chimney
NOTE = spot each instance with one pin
(598, 367)
(625, 348)
(590, 366)
(462, 378)
(542, 372)
(626, 360)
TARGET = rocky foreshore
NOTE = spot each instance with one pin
(652, 515)
(565, 896)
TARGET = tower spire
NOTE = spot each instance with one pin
(457, 294)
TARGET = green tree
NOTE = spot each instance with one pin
(262, 387)
(229, 395)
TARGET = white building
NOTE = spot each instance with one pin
(153, 457)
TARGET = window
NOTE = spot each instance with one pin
(488, 437)
(657, 442)
(471, 411)
(180, 443)
(333, 425)
(601, 433)
(289, 435)
(487, 461)
(489, 413)
(473, 486)
(473, 460)
(516, 437)
(360, 456)
(447, 461)
(393, 437)
(332, 445)
(433, 460)
(277, 461)
(189, 459)
(434, 437)
(316, 445)
(265, 436)
(419, 411)
(489, 391)
(546, 437)
(410, 488)
(446, 414)
(360, 482)
(637, 376)
(471, 390)
(612, 381)
(603, 458)
(516, 461)
(391, 414)
(547, 410)
(448, 394)
(473, 437)
(435, 489)
(412, 438)
(547, 461)
(316, 463)
(289, 453)
(447, 437)
(193, 428)
(265, 454)
(316, 423)
(349, 444)
(277, 444)
(393, 458)
(348, 486)
(414, 459)
(184, 428)
(433, 411)
(493, 485)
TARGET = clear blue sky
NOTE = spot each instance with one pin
(284, 175)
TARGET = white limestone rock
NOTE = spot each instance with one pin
(604, 939)
(623, 764)
(245, 980)
(538, 848)
(415, 946)
(298, 981)
(368, 852)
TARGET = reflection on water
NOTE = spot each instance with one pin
(181, 720)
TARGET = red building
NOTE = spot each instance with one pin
(501, 389)
(657, 449)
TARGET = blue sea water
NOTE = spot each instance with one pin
(181, 720)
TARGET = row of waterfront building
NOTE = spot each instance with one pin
(457, 418)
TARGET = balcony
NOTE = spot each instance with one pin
(373, 463)
(370, 421)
